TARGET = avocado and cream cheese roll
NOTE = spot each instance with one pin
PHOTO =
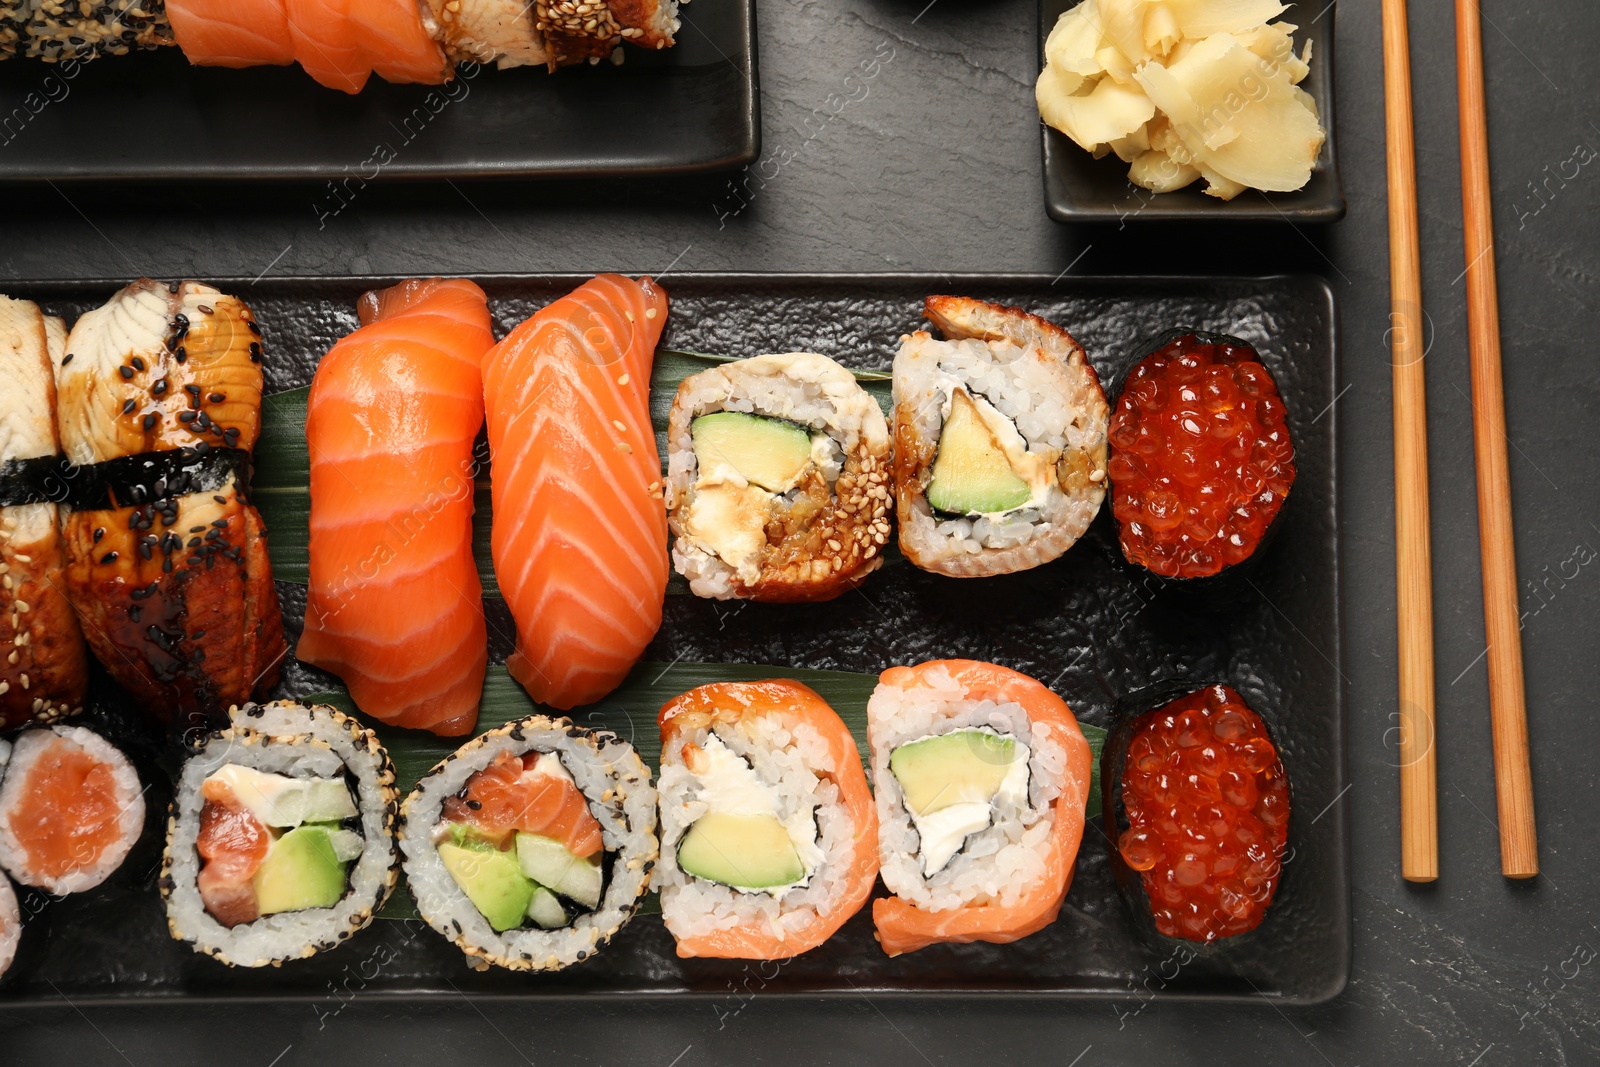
(778, 479)
(1000, 440)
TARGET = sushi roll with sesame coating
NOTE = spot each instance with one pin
(1000, 440)
(777, 479)
(281, 836)
(57, 32)
(530, 846)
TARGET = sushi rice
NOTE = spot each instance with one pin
(28, 750)
(616, 784)
(299, 742)
(996, 865)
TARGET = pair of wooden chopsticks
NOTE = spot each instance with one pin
(1419, 844)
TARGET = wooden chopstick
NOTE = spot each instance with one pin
(1519, 856)
(1419, 817)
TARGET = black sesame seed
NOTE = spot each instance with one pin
(66, 359)
(109, 557)
(150, 422)
(204, 310)
(194, 542)
(196, 529)
(217, 398)
(99, 532)
(192, 390)
(255, 352)
(186, 416)
(220, 523)
(134, 613)
(220, 499)
(160, 387)
(138, 363)
(180, 355)
(126, 372)
(128, 406)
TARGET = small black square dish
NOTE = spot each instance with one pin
(689, 108)
(1080, 188)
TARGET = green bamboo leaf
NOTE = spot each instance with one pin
(630, 711)
(282, 484)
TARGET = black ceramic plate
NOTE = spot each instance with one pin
(692, 107)
(1087, 625)
(1080, 188)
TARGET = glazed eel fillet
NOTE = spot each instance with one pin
(159, 405)
(43, 667)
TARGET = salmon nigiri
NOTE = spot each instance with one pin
(394, 606)
(231, 33)
(580, 533)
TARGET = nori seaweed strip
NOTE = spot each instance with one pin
(128, 481)
(37, 480)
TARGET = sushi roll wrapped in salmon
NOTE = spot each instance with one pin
(981, 776)
(280, 841)
(71, 809)
(530, 846)
(1000, 440)
(777, 479)
(767, 825)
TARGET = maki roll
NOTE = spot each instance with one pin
(777, 479)
(71, 808)
(10, 925)
(59, 31)
(1000, 440)
(767, 826)
(158, 406)
(1201, 459)
(44, 672)
(531, 846)
(280, 841)
(1204, 814)
(981, 776)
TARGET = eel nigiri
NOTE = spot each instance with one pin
(580, 532)
(158, 407)
(394, 606)
(44, 671)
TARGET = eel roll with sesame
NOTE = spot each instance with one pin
(778, 479)
(43, 666)
(530, 846)
(999, 440)
(158, 407)
(281, 837)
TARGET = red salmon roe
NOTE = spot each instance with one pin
(1200, 458)
(1208, 815)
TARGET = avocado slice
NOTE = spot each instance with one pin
(301, 871)
(545, 911)
(492, 881)
(767, 452)
(742, 851)
(971, 474)
(960, 767)
(547, 861)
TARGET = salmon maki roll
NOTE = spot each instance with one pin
(394, 605)
(532, 845)
(981, 777)
(71, 808)
(580, 533)
(44, 672)
(281, 838)
(767, 826)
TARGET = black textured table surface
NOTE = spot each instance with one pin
(927, 158)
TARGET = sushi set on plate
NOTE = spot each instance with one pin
(352, 93)
(732, 634)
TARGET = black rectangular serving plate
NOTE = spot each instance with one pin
(692, 107)
(1087, 625)
(1080, 188)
